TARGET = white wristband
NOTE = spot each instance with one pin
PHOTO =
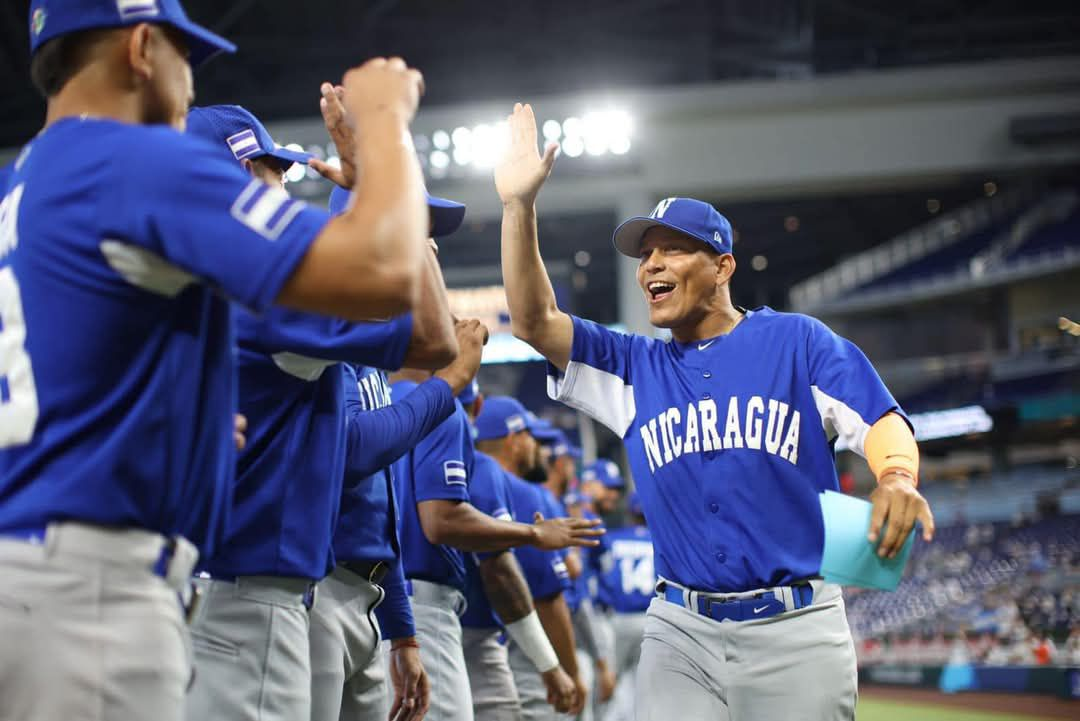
(529, 635)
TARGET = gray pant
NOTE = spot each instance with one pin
(531, 689)
(88, 631)
(628, 630)
(798, 665)
(348, 676)
(251, 651)
(494, 695)
(437, 610)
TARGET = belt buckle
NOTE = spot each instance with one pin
(309, 595)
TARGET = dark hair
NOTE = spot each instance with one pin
(58, 60)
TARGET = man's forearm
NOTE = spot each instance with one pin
(433, 344)
(529, 294)
(555, 618)
(461, 525)
(506, 587)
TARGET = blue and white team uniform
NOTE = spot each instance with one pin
(120, 247)
(347, 672)
(438, 469)
(250, 636)
(494, 694)
(730, 442)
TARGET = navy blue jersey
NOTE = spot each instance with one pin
(437, 469)
(120, 248)
(544, 570)
(377, 434)
(730, 438)
(289, 477)
(489, 492)
(628, 578)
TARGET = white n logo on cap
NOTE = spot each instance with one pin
(129, 9)
(661, 208)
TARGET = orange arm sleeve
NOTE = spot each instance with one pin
(890, 446)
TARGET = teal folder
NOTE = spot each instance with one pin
(849, 559)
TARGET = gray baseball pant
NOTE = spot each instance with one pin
(494, 695)
(530, 688)
(796, 665)
(348, 674)
(252, 661)
(628, 629)
(89, 631)
(437, 612)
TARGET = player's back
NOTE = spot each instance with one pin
(119, 388)
(628, 577)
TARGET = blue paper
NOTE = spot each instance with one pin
(849, 559)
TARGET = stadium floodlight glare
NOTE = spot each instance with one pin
(440, 139)
(439, 159)
(619, 145)
(573, 146)
(552, 130)
(462, 137)
(595, 131)
(463, 155)
(298, 170)
(490, 143)
(571, 127)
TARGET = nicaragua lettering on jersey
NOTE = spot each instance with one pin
(126, 234)
(628, 575)
(729, 438)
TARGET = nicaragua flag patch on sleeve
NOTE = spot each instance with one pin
(454, 473)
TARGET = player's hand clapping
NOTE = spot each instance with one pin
(472, 335)
(382, 88)
(897, 504)
(341, 130)
(553, 534)
(522, 170)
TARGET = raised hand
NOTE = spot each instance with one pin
(471, 337)
(382, 87)
(555, 533)
(340, 128)
(522, 170)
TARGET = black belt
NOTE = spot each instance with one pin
(370, 571)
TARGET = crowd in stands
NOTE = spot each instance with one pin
(989, 593)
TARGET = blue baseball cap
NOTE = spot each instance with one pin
(561, 446)
(604, 471)
(542, 430)
(694, 218)
(240, 134)
(500, 416)
(52, 18)
(469, 393)
(446, 215)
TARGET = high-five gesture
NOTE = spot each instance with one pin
(523, 170)
(341, 131)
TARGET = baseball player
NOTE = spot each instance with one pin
(348, 673)
(729, 431)
(504, 432)
(250, 634)
(499, 600)
(120, 240)
(628, 583)
(437, 523)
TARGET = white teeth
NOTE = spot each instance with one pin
(659, 286)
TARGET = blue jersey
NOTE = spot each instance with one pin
(489, 492)
(377, 434)
(289, 477)
(437, 469)
(628, 576)
(544, 570)
(730, 438)
(120, 246)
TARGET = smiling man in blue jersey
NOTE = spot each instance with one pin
(438, 523)
(504, 431)
(121, 243)
(251, 633)
(729, 431)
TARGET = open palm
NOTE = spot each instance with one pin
(522, 170)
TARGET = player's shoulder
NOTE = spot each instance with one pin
(766, 318)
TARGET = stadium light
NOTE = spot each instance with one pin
(298, 170)
(440, 139)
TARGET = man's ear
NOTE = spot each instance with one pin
(140, 47)
(248, 166)
(725, 268)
